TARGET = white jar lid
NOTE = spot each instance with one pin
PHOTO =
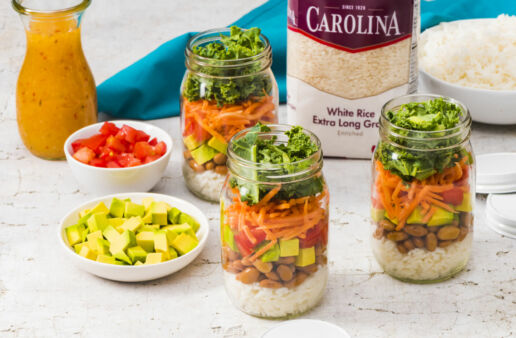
(501, 214)
(496, 173)
(306, 328)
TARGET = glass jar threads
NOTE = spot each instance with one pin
(228, 86)
(423, 189)
(274, 221)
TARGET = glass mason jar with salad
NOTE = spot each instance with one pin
(228, 86)
(423, 189)
(274, 221)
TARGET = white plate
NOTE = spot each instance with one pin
(140, 273)
(306, 328)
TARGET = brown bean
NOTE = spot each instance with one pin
(448, 233)
(284, 272)
(379, 233)
(408, 244)
(431, 241)
(246, 261)
(401, 248)
(187, 154)
(248, 276)
(434, 229)
(466, 219)
(272, 275)
(321, 260)
(463, 233)
(209, 165)
(287, 260)
(271, 284)
(300, 277)
(309, 269)
(387, 225)
(228, 254)
(221, 169)
(220, 158)
(415, 230)
(196, 166)
(319, 249)
(418, 242)
(444, 244)
(234, 267)
(263, 267)
(397, 236)
(455, 222)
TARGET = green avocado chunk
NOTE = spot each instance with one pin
(229, 237)
(377, 214)
(159, 213)
(74, 234)
(97, 221)
(271, 255)
(137, 253)
(218, 145)
(117, 208)
(191, 142)
(173, 215)
(184, 243)
(203, 154)
(289, 247)
(465, 206)
(416, 217)
(441, 217)
(185, 218)
(306, 257)
(133, 209)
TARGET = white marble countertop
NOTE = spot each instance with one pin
(42, 294)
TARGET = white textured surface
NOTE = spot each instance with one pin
(43, 294)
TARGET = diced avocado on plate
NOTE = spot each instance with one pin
(129, 233)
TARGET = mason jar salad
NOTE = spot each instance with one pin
(423, 189)
(274, 221)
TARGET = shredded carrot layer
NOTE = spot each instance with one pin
(224, 122)
(400, 198)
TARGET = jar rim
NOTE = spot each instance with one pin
(21, 9)
(310, 165)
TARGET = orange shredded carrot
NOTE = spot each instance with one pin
(429, 215)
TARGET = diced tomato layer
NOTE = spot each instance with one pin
(244, 243)
(453, 196)
(317, 234)
(117, 147)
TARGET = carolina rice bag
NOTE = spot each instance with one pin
(345, 59)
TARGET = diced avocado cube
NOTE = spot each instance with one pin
(97, 221)
(154, 258)
(115, 222)
(172, 253)
(173, 215)
(133, 209)
(132, 224)
(87, 253)
(147, 201)
(158, 211)
(203, 154)
(416, 216)
(465, 206)
(228, 237)
(138, 263)
(180, 228)
(102, 247)
(271, 255)
(129, 238)
(111, 234)
(117, 208)
(160, 241)
(83, 213)
(137, 253)
(106, 259)
(184, 243)
(185, 218)
(171, 235)
(377, 214)
(145, 239)
(100, 207)
(306, 257)
(121, 255)
(74, 234)
(92, 240)
(289, 247)
(147, 219)
(191, 142)
(218, 145)
(78, 247)
(441, 217)
(149, 227)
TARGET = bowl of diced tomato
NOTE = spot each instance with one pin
(118, 156)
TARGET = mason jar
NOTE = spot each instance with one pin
(274, 231)
(218, 99)
(423, 194)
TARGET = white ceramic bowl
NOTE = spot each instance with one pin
(485, 105)
(140, 273)
(116, 180)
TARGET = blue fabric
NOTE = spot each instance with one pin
(149, 89)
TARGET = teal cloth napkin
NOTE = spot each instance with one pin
(149, 88)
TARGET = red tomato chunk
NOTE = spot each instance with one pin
(117, 147)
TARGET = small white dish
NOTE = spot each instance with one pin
(306, 328)
(501, 214)
(128, 273)
(485, 105)
(103, 181)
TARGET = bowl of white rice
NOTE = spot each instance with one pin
(473, 61)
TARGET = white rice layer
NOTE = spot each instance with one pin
(206, 185)
(274, 303)
(420, 264)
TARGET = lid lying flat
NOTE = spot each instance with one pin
(495, 188)
(496, 168)
(501, 214)
(306, 328)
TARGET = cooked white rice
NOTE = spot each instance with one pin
(274, 303)
(420, 264)
(206, 185)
